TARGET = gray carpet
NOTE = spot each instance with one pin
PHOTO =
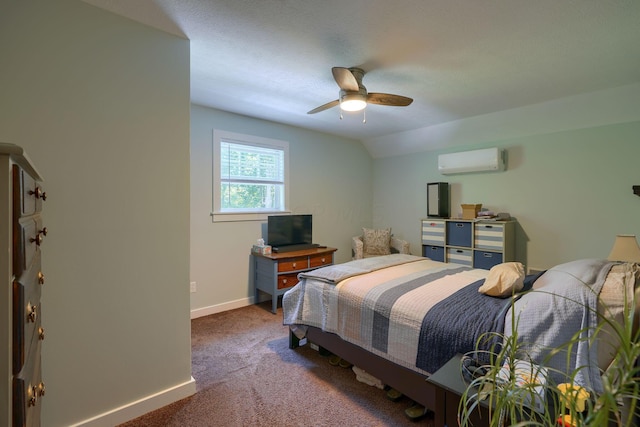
(247, 376)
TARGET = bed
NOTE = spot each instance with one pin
(401, 317)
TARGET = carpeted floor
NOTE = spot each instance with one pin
(247, 376)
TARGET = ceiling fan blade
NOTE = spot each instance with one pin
(345, 78)
(324, 107)
(388, 99)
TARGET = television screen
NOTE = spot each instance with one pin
(283, 230)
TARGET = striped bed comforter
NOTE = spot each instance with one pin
(413, 311)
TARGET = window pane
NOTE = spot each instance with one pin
(237, 196)
(240, 162)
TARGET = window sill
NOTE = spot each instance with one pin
(248, 216)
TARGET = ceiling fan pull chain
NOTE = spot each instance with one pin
(340, 114)
(364, 116)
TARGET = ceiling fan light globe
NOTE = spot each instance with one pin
(352, 101)
(353, 105)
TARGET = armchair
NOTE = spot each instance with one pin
(396, 246)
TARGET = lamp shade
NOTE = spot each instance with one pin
(625, 248)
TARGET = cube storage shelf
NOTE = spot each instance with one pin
(474, 243)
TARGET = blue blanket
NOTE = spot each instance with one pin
(456, 324)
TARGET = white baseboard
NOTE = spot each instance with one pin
(140, 407)
(219, 308)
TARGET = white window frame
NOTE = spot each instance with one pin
(220, 136)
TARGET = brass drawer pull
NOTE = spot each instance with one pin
(39, 194)
(41, 333)
(37, 240)
(40, 277)
(39, 236)
(32, 313)
(32, 394)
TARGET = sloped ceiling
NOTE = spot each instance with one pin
(475, 69)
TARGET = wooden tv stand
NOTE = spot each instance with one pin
(276, 273)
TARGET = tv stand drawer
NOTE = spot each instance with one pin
(321, 260)
(293, 264)
(286, 281)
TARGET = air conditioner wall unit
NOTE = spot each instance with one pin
(487, 159)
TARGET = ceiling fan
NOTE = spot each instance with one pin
(353, 95)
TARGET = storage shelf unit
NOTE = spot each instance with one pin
(475, 243)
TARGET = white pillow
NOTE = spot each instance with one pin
(504, 280)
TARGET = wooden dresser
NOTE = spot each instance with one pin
(276, 273)
(21, 332)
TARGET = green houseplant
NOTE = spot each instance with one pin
(535, 395)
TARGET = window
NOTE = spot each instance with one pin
(250, 176)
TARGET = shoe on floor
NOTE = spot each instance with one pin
(334, 360)
(416, 411)
(394, 395)
(344, 364)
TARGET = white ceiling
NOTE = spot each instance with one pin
(458, 59)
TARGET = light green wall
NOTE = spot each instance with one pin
(330, 179)
(570, 192)
(101, 105)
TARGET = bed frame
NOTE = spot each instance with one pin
(410, 383)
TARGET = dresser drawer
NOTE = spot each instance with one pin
(460, 256)
(28, 194)
(287, 280)
(29, 236)
(293, 264)
(320, 260)
(27, 312)
(433, 232)
(28, 390)
(489, 236)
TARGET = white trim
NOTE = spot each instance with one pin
(219, 308)
(229, 217)
(218, 136)
(140, 407)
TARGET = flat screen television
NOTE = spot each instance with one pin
(286, 230)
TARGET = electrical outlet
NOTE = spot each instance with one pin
(193, 286)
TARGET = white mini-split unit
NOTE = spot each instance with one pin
(485, 160)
